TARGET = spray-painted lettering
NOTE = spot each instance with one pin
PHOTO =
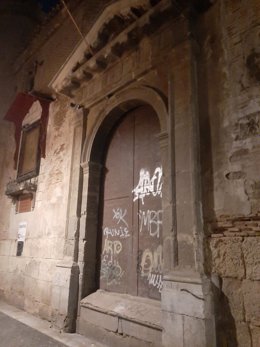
(151, 267)
(151, 221)
(119, 215)
(152, 261)
(156, 281)
(148, 185)
(121, 232)
(111, 270)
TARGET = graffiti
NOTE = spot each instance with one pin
(148, 185)
(152, 261)
(114, 232)
(112, 247)
(150, 220)
(119, 215)
(111, 270)
(156, 281)
(151, 267)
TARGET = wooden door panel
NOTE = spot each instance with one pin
(131, 252)
(116, 245)
(147, 201)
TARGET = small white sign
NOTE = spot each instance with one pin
(22, 231)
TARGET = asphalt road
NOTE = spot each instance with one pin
(16, 334)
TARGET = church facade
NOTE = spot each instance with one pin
(130, 192)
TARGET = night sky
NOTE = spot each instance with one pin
(47, 5)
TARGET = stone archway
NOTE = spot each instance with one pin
(92, 163)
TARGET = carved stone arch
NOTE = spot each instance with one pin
(116, 107)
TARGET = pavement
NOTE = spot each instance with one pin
(21, 329)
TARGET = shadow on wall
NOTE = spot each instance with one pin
(226, 333)
(225, 324)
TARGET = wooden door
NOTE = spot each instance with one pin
(131, 247)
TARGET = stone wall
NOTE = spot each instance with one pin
(226, 39)
(230, 145)
(33, 281)
(235, 249)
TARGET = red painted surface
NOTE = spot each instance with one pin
(18, 110)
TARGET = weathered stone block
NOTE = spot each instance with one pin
(55, 297)
(61, 276)
(3, 263)
(251, 293)
(31, 305)
(172, 330)
(227, 257)
(140, 332)
(31, 288)
(183, 298)
(32, 268)
(45, 289)
(243, 335)
(255, 332)
(99, 319)
(46, 270)
(45, 311)
(251, 250)
(64, 296)
(194, 332)
(5, 247)
(232, 289)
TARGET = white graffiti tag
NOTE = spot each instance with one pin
(150, 220)
(151, 267)
(121, 232)
(148, 185)
(119, 215)
(152, 261)
(156, 281)
(112, 247)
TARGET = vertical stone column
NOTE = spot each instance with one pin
(89, 226)
(186, 300)
(66, 278)
(169, 235)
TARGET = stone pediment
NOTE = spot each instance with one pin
(118, 30)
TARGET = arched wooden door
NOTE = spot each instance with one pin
(131, 247)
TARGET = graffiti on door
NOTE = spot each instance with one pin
(148, 185)
(111, 270)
